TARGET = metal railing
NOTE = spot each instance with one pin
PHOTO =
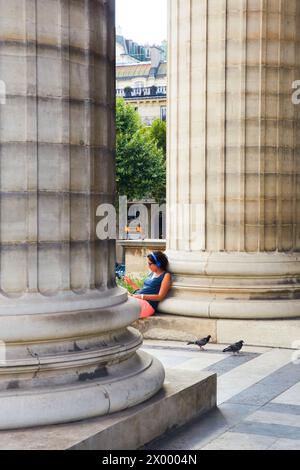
(146, 92)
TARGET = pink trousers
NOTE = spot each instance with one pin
(146, 309)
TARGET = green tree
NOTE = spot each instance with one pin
(141, 168)
(158, 132)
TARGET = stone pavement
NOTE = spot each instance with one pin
(258, 398)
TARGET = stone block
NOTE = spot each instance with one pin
(185, 395)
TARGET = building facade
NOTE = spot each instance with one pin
(130, 52)
(144, 86)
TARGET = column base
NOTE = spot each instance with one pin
(234, 285)
(122, 386)
(186, 395)
(79, 362)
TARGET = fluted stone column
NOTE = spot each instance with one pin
(233, 233)
(63, 322)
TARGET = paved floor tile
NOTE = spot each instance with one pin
(285, 444)
(230, 363)
(269, 387)
(252, 372)
(271, 430)
(202, 362)
(237, 441)
(258, 397)
(282, 408)
(204, 429)
(291, 396)
(268, 417)
(167, 359)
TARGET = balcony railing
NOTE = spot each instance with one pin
(146, 92)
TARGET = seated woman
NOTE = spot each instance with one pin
(156, 286)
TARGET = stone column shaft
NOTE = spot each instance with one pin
(63, 321)
(234, 157)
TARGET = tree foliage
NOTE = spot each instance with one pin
(141, 168)
(158, 132)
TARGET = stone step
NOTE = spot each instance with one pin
(266, 333)
(185, 396)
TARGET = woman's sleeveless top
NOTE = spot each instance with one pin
(152, 287)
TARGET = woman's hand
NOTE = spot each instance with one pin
(130, 282)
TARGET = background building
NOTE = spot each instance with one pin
(142, 78)
(130, 52)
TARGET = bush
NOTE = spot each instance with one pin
(138, 279)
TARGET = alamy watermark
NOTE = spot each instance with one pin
(296, 94)
(296, 354)
(2, 92)
(3, 361)
(188, 221)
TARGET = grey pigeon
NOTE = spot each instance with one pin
(201, 342)
(235, 348)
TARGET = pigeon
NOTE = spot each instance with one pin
(201, 342)
(235, 348)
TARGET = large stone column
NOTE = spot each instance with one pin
(233, 234)
(63, 322)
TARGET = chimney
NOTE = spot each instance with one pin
(155, 61)
(155, 57)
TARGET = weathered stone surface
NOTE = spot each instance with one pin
(63, 322)
(185, 396)
(174, 328)
(281, 333)
(233, 159)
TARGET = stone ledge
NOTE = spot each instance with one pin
(176, 328)
(184, 396)
(146, 243)
(267, 333)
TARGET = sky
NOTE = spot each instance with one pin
(143, 21)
